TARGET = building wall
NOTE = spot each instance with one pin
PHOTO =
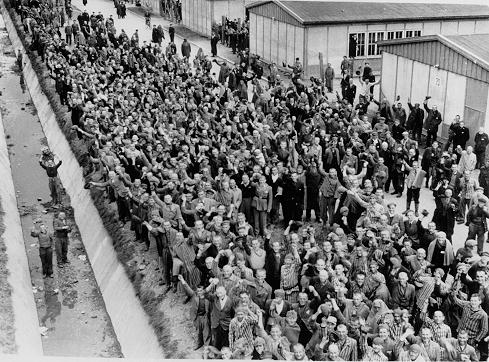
(453, 94)
(276, 41)
(475, 110)
(332, 41)
(197, 15)
(232, 9)
(153, 5)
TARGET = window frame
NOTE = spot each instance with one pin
(367, 48)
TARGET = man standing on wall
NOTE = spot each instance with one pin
(61, 230)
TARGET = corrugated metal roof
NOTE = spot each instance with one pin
(476, 45)
(474, 48)
(319, 12)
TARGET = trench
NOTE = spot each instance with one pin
(70, 306)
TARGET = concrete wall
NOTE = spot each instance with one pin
(27, 336)
(131, 323)
(452, 93)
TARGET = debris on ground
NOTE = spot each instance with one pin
(43, 330)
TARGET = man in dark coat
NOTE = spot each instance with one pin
(432, 122)
(171, 32)
(451, 131)
(484, 177)
(429, 161)
(481, 140)
(186, 49)
(293, 198)
(313, 181)
(154, 34)
(414, 123)
(445, 212)
(214, 41)
(350, 91)
(460, 136)
(274, 260)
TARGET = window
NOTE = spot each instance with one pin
(357, 45)
(394, 35)
(365, 44)
(373, 38)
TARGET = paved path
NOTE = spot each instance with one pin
(135, 20)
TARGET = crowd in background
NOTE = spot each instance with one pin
(236, 34)
(266, 201)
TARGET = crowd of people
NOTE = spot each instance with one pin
(236, 34)
(266, 202)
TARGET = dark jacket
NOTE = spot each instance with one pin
(221, 317)
(415, 119)
(186, 49)
(433, 119)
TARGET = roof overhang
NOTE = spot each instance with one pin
(484, 63)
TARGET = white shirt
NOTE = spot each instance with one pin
(279, 307)
(223, 301)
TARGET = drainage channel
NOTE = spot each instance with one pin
(72, 316)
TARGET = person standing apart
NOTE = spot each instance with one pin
(214, 41)
(186, 49)
(51, 168)
(45, 238)
(61, 230)
(329, 77)
(171, 32)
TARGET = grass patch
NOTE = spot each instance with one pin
(123, 241)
